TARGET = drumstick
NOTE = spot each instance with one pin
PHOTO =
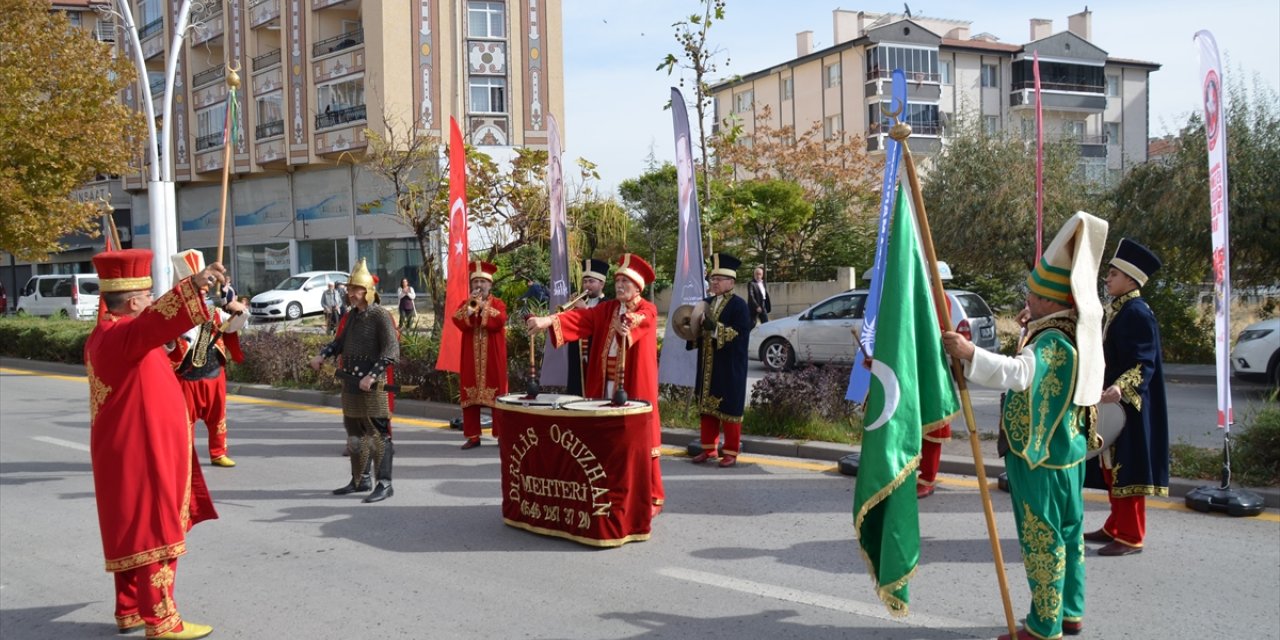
(532, 388)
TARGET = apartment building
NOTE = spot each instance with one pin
(1097, 101)
(315, 74)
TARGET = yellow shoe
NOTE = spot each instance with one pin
(223, 461)
(190, 631)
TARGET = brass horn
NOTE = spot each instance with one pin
(578, 297)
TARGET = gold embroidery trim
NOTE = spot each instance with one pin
(146, 557)
(98, 392)
(1045, 559)
(1128, 383)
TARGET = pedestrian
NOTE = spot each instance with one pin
(536, 292)
(200, 357)
(721, 383)
(331, 305)
(1136, 465)
(146, 477)
(407, 311)
(483, 321)
(366, 346)
(624, 350)
(1052, 386)
(758, 297)
(594, 275)
(228, 292)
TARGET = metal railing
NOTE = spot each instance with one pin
(151, 28)
(912, 76)
(928, 128)
(265, 60)
(340, 116)
(268, 129)
(338, 42)
(208, 76)
(208, 142)
(1059, 86)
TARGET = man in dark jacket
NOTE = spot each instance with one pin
(758, 298)
(721, 385)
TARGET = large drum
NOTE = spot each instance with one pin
(578, 470)
(545, 400)
(1111, 421)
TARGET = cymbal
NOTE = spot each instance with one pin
(685, 326)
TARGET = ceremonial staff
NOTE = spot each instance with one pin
(229, 135)
(900, 132)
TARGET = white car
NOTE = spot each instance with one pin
(72, 296)
(295, 296)
(1257, 352)
(825, 332)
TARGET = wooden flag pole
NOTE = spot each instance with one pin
(900, 132)
(111, 223)
(233, 83)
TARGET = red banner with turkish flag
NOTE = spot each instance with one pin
(458, 288)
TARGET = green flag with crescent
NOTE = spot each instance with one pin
(911, 390)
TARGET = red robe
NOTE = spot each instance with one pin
(639, 367)
(484, 353)
(146, 478)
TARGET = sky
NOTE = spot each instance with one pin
(614, 96)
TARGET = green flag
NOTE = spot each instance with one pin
(910, 391)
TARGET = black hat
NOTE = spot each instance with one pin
(723, 264)
(1136, 261)
(593, 268)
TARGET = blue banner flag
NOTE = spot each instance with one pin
(677, 364)
(860, 376)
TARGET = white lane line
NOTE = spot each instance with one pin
(62, 443)
(786, 594)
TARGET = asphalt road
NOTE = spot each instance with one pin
(764, 550)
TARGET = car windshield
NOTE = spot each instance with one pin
(292, 283)
(89, 287)
(974, 305)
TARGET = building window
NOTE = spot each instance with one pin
(991, 75)
(106, 29)
(1073, 129)
(833, 75)
(1113, 133)
(919, 65)
(1113, 86)
(486, 19)
(342, 95)
(991, 125)
(742, 101)
(924, 119)
(209, 126)
(1057, 76)
(833, 126)
(944, 71)
(488, 95)
(150, 11)
(74, 18)
(787, 88)
(270, 116)
(1028, 129)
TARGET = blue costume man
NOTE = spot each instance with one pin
(721, 384)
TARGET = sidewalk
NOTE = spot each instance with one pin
(957, 456)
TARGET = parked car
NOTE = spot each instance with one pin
(1257, 352)
(71, 295)
(295, 296)
(826, 332)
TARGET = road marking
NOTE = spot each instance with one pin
(62, 443)
(284, 404)
(821, 600)
(56, 376)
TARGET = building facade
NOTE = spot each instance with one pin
(315, 75)
(1099, 102)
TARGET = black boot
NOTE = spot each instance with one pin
(353, 487)
(381, 492)
(384, 453)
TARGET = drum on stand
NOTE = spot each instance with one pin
(607, 406)
(1111, 421)
(543, 400)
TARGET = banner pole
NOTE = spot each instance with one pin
(233, 82)
(901, 132)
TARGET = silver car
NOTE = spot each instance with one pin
(827, 331)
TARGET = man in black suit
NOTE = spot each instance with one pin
(758, 298)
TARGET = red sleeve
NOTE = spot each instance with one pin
(495, 317)
(166, 319)
(460, 317)
(574, 324)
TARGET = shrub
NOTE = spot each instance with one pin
(418, 354)
(1185, 334)
(48, 339)
(281, 358)
(805, 404)
(1256, 452)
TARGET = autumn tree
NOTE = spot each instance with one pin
(652, 200)
(61, 123)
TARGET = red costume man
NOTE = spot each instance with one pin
(146, 476)
(200, 357)
(623, 348)
(483, 320)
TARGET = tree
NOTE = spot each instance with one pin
(61, 123)
(766, 211)
(652, 201)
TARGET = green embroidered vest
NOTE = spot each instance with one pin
(1043, 425)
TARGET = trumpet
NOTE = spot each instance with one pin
(578, 297)
(476, 301)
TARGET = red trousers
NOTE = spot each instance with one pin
(931, 454)
(144, 595)
(1128, 520)
(471, 422)
(711, 426)
(207, 401)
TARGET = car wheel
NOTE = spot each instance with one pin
(20, 312)
(777, 354)
(293, 311)
(63, 315)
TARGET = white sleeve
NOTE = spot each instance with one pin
(1002, 372)
(412, 294)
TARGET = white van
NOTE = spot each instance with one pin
(66, 296)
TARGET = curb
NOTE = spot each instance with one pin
(825, 451)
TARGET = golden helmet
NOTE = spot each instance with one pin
(360, 277)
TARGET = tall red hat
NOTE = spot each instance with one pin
(482, 269)
(126, 270)
(635, 269)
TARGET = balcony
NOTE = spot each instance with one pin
(878, 73)
(931, 128)
(157, 87)
(338, 43)
(266, 60)
(317, 5)
(340, 116)
(208, 76)
(1060, 86)
(151, 29)
(208, 142)
(269, 130)
(1058, 99)
(262, 12)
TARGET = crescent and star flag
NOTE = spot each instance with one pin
(458, 287)
(555, 362)
(860, 375)
(1215, 135)
(911, 391)
(677, 365)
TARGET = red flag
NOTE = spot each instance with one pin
(458, 288)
